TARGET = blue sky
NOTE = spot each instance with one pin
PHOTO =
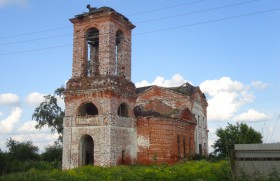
(228, 48)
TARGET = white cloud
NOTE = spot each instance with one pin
(34, 99)
(40, 139)
(27, 131)
(142, 83)
(7, 124)
(259, 84)
(211, 130)
(225, 97)
(1, 114)
(224, 84)
(13, 2)
(210, 144)
(9, 99)
(176, 80)
(3, 144)
(60, 102)
(212, 137)
(27, 127)
(252, 116)
(37, 137)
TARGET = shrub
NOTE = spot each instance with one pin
(193, 170)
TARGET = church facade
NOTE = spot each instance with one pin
(108, 121)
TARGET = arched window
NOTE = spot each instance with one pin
(184, 147)
(92, 38)
(119, 40)
(87, 109)
(86, 150)
(178, 144)
(123, 110)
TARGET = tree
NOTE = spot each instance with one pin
(24, 151)
(52, 153)
(240, 133)
(3, 162)
(48, 113)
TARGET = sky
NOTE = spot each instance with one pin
(230, 49)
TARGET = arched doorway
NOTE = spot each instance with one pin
(87, 150)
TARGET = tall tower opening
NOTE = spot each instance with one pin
(92, 40)
(119, 52)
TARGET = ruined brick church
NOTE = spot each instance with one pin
(108, 121)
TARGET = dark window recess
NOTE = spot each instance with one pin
(122, 156)
(189, 144)
(200, 149)
(123, 110)
(184, 147)
(119, 42)
(178, 144)
(204, 148)
(88, 109)
(92, 52)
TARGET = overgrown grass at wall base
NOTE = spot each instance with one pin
(194, 170)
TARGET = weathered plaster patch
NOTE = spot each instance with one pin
(143, 142)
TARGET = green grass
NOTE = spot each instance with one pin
(193, 170)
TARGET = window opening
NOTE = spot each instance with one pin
(119, 38)
(184, 147)
(204, 122)
(116, 60)
(200, 149)
(88, 109)
(122, 110)
(122, 156)
(204, 148)
(178, 144)
(92, 52)
(189, 144)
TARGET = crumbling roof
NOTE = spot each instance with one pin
(186, 88)
(183, 114)
(140, 111)
(142, 89)
(104, 9)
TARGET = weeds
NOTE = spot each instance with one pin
(192, 170)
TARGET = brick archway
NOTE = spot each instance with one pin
(86, 150)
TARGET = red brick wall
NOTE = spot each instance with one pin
(161, 135)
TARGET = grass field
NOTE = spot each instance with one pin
(193, 170)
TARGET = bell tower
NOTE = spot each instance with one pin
(99, 123)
